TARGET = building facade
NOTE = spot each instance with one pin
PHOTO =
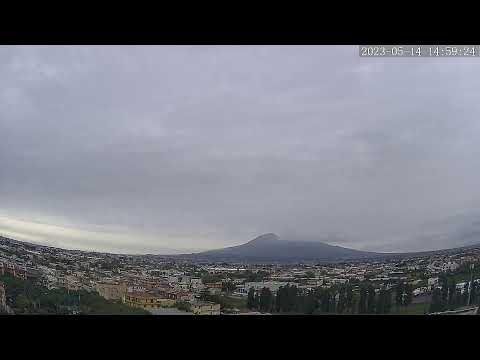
(111, 291)
(146, 300)
(14, 270)
(205, 308)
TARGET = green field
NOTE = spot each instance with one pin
(412, 309)
(232, 302)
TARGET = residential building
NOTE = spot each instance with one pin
(111, 291)
(272, 285)
(146, 300)
(205, 308)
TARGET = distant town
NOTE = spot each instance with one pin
(37, 279)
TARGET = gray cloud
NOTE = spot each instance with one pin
(143, 149)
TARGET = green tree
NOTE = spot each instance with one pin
(436, 304)
(371, 299)
(399, 294)
(310, 303)
(228, 287)
(388, 301)
(325, 302)
(183, 305)
(452, 289)
(342, 299)
(292, 292)
(257, 300)
(443, 282)
(22, 303)
(251, 298)
(266, 300)
(362, 303)
(408, 297)
(349, 298)
(205, 295)
(465, 294)
(473, 293)
(280, 299)
(380, 305)
(211, 278)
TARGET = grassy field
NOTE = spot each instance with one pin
(412, 309)
(233, 302)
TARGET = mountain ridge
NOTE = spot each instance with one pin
(265, 248)
(269, 247)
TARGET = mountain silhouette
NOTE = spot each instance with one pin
(269, 247)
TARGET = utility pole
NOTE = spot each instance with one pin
(448, 296)
(471, 284)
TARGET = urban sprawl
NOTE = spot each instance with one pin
(37, 279)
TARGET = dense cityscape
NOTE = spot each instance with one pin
(230, 180)
(37, 279)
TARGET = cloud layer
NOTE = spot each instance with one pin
(146, 149)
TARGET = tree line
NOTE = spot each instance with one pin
(338, 299)
(449, 297)
(28, 297)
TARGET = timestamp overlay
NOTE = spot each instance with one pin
(430, 51)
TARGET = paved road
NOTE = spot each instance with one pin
(468, 311)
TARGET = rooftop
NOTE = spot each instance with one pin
(141, 295)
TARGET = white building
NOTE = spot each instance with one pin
(461, 286)
(420, 291)
(450, 266)
(258, 286)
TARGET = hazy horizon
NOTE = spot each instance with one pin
(157, 149)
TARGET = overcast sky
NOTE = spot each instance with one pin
(172, 148)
